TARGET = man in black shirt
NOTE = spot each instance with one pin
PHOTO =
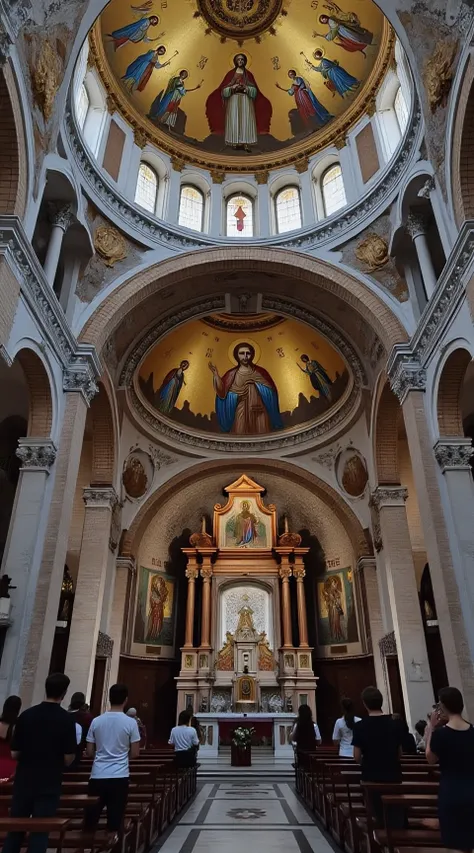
(377, 741)
(44, 742)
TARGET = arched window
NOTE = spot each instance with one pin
(334, 194)
(239, 216)
(147, 187)
(82, 106)
(401, 109)
(191, 208)
(288, 209)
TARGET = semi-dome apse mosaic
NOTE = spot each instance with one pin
(246, 81)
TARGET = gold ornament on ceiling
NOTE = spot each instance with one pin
(438, 74)
(242, 85)
(240, 19)
(110, 245)
(373, 252)
(46, 78)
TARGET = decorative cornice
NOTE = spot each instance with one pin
(389, 496)
(152, 230)
(36, 454)
(406, 374)
(43, 303)
(454, 453)
(100, 497)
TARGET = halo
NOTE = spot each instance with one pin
(244, 340)
(322, 52)
(244, 53)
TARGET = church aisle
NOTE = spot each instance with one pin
(229, 816)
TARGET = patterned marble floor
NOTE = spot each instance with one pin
(261, 816)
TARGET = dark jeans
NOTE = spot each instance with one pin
(186, 758)
(39, 800)
(112, 795)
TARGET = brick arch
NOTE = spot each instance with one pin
(386, 437)
(209, 468)
(103, 439)
(13, 163)
(40, 419)
(462, 148)
(357, 296)
(450, 419)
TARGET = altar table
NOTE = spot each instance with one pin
(275, 727)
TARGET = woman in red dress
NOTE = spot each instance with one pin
(10, 714)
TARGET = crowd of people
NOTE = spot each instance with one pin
(377, 742)
(39, 745)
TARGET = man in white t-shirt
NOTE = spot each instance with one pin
(112, 738)
(185, 741)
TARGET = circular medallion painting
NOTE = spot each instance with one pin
(242, 80)
(216, 376)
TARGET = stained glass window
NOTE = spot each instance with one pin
(83, 104)
(191, 208)
(239, 216)
(147, 187)
(401, 109)
(334, 195)
(288, 209)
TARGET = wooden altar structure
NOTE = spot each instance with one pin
(246, 661)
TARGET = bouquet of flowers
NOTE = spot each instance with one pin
(242, 737)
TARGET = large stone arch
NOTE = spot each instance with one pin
(203, 470)
(133, 295)
(387, 422)
(462, 178)
(103, 442)
(450, 416)
(13, 161)
(40, 420)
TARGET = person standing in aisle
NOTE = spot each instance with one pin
(43, 744)
(113, 738)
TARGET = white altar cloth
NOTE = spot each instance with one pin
(280, 722)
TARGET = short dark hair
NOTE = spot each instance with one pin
(118, 694)
(452, 699)
(244, 344)
(56, 685)
(78, 700)
(420, 727)
(184, 718)
(372, 698)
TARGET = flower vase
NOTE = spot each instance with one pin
(241, 756)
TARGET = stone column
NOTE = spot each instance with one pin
(22, 557)
(299, 573)
(453, 609)
(192, 572)
(206, 574)
(61, 221)
(124, 571)
(407, 621)
(264, 201)
(88, 600)
(54, 546)
(416, 228)
(285, 575)
(369, 584)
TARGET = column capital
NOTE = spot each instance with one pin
(299, 573)
(191, 573)
(126, 564)
(206, 572)
(285, 572)
(366, 563)
(80, 379)
(454, 453)
(415, 225)
(389, 496)
(406, 374)
(62, 216)
(100, 497)
(36, 454)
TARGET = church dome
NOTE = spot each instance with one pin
(240, 85)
